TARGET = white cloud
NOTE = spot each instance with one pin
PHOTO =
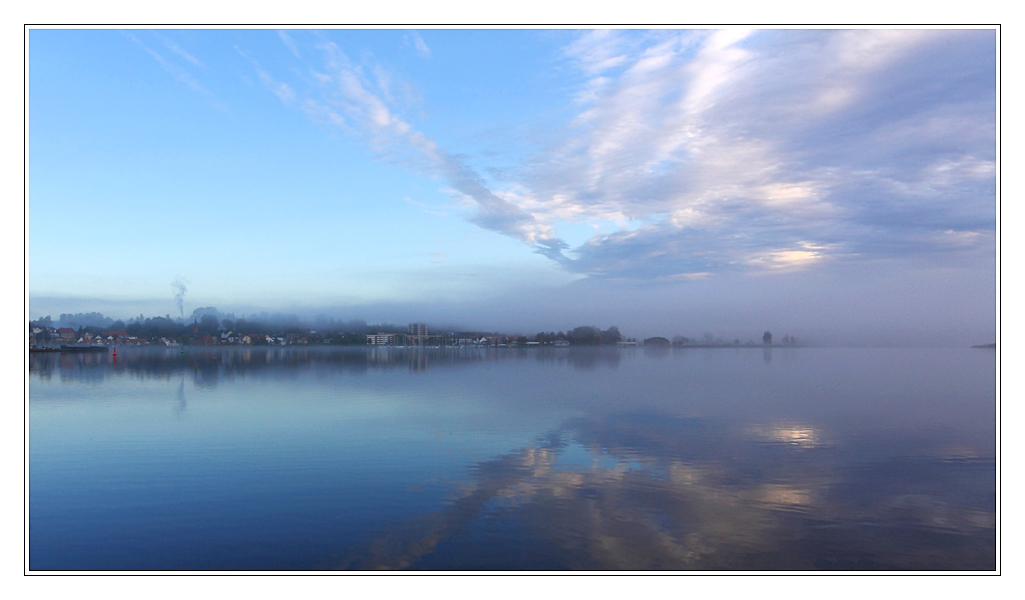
(347, 98)
(282, 90)
(597, 51)
(289, 43)
(750, 142)
(181, 52)
(697, 152)
(420, 45)
(180, 73)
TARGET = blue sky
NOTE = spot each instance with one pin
(838, 185)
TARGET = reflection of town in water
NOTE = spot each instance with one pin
(653, 492)
(210, 364)
(630, 480)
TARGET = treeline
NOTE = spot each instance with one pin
(76, 320)
(582, 336)
(268, 321)
(205, 322)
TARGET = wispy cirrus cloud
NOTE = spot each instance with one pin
(282, 90)
(179, 72)
(174, 47)
(289, 43)
(414, 39)
(348, 98)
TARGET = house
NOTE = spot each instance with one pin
(256, 338)
(67, 335)
(116, 337)
(95, 340)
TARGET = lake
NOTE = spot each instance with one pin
(541, 459)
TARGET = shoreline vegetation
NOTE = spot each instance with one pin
(209, 327)
(89, 331)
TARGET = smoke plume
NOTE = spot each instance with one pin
(179, 296)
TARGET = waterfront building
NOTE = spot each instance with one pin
(381, 339)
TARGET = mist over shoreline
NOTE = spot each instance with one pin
(723, 321)
(896, 303)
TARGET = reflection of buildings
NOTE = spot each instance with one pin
(418, 360)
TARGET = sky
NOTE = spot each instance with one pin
(838, 185)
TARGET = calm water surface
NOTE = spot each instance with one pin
(540, 459)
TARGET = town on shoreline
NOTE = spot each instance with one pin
(95, 331)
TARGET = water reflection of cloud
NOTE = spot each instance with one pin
(795, 434)
(731, 507)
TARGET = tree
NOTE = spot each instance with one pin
(208, 324)
(611, 335)
(767, 338)
(584, 336)
(206, 310)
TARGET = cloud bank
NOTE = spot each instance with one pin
(776, 150)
